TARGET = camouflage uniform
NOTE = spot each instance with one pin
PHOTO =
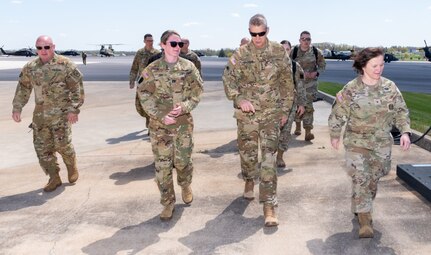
(369, 113)
(139, 63)
(263, 77)
(58, 91)
(190, 55)
(300, 99)
(165, 85)
(308, 62)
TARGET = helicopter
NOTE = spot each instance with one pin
(340, 55)
(28, 52)
(107, 50)
(427, 51)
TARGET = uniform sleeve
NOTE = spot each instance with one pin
(76, 89)
(339, 114)
(287, 87)
(300, 89)
(198, 65)
(321, 63)
(231, 79)
(196, 84)
(22, 92)
(135, 67)
(146, 91)
(402, 119)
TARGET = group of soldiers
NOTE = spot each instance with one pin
(271, 86)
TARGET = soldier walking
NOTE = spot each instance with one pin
(258, 79)
(170, 90)
(369, 106)
(59, 94)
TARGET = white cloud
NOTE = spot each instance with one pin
(189, 24)
(16, 2)
(63, 35)
(205, 36)
(429, 7)
(14, 21)
(250, 6)
(235, 15)
(388, 21)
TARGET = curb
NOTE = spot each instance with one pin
(424, 143)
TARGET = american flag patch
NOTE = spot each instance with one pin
(340, 97)
(232, 60)
(145, 74)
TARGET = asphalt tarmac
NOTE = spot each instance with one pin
(114, 206)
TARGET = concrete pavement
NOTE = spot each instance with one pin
(114, 207)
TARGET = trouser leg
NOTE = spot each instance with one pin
(45, 150)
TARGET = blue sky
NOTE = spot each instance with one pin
(79, 24)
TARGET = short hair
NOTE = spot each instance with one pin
(286, 42)
(147, 35)
(305, 32)
(166, 35)
(364, 56)
(258, 20)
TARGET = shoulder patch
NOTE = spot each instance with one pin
(340, 97)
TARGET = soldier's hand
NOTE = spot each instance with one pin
(72, 118)
(405, 141)
(16, 116)
(177, 111)
(335, 142)
(132, 84)
(246, 106)
(300, 111)
(283, 120)
(167, 120)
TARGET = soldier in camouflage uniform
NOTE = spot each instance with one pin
(170, 90)
(369, 106)
(297, 108)
(258, 79)
(312, 62)
(139, 63)
(190, 55)
(59, 93)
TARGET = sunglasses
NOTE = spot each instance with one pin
(306, 39)
(47, 47)
(174, 44)
(260, 34)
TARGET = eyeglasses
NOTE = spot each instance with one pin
(308, 39)
(46, 47)
(260, 34)
(174, 44)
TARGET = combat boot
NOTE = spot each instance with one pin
(308, 135)
(297, 128)
(280, 162)
(366, 225)
(187, 195)
(53, 183)
(72, 172)
(248, 190)
(167, 212)
(269, 214)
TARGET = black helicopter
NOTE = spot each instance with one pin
(340, 55)
(68, 53)
(426, 49)
(27, 52)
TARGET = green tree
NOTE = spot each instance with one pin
(221, 54)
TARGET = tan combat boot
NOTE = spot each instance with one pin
(53, 183)
(269, 214)
(308, 135)
(297, 128)
(72, 172)
(366, 225)
(167, 212)
(248, 190)
(280, 162)
(187, 195)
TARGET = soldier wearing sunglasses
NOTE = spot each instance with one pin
(170, 90)
(258, 79)
(59, 94)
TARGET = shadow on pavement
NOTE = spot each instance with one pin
(32, 198)
(218, 152)
(135, 174)
(227, 228)
(129, 137)
(349, 243)
(134, 238)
